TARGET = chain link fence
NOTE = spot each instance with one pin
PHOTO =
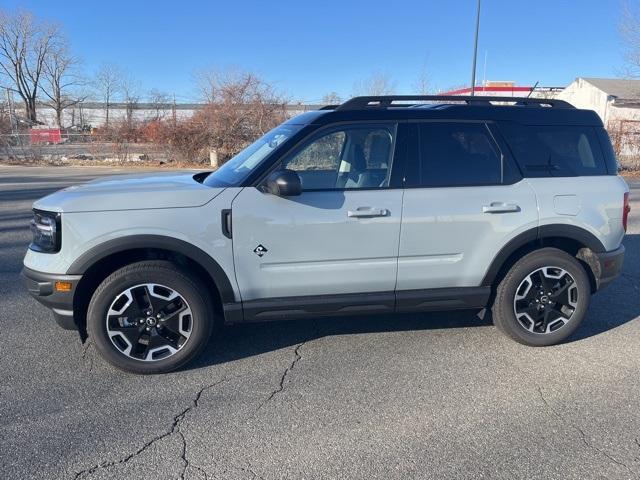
(72, 148)
(625, 138)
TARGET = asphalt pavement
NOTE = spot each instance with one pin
(439, 395)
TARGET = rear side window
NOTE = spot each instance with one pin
(457, 155)
(607, 150)
(555, 151)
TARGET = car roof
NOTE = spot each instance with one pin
(521, 110)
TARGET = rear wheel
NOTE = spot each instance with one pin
(543, 298)
(149, 317)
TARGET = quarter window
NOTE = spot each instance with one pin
(458, 154)
(556, 151)
(346, 158)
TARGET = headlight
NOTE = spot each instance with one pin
(45, 228)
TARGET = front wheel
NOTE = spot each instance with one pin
(149, 317)
(543, 298)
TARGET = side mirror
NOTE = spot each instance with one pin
(284, 183)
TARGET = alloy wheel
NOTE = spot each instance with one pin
(149, 322)
(546, 300)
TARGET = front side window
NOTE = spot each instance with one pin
(458, 154)
(350, 157)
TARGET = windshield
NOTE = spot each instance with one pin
(238, 168)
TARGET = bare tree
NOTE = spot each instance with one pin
(241, 106)
(107, 86)
(422, 84)
(25, 44)
(331, 98)
(160, 102)
(62, 81)
(130, 97)
(378, 83)
(630, 31)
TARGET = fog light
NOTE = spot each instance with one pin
(63, 286)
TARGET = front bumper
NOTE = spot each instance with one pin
(42, 287)
(610, 266)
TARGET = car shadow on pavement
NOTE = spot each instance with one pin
(245, 340)
(618, 303)
(609, 309)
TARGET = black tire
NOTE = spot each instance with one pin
(200, 321)
(504, 306)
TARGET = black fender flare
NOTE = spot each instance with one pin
(572, 232)
(132, 242)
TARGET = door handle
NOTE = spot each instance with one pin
(368, 212)
(500, 207)
(225, 220)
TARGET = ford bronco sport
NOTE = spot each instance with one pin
(381, 204)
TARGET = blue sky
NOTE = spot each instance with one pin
(309, 48)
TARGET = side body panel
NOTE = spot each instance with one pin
(592, 203)
(311, 244)
(198, 226)
(447, 239)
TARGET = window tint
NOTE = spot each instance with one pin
(556, 151)
(607, 150)
(458, 154)
(352, 157)
(322, 154)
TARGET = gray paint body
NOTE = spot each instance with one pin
(430, 238)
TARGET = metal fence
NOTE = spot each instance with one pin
(77, 148)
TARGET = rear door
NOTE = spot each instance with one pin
(340, 236)
(464, 200)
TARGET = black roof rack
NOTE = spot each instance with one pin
(385, 101)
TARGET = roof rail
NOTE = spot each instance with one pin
(385, 101)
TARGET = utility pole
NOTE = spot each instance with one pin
(10, 107)
(173, 110)
(475, 52)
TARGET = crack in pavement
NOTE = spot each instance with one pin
(633, 279)
(583, 435)
(175, 428)
(284, 375)
(85, 351)
(249, 470)
(287, 371)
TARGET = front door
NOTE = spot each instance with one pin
(340, 236)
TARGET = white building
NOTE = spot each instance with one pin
(617, 102)
(613, 99)
(94, 114)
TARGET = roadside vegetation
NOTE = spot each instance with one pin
(39, 68)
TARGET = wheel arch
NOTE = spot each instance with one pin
(576, 241)
(100, 261)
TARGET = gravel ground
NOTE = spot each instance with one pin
(438, 395)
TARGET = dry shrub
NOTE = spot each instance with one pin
(240, 108)
(625, 138)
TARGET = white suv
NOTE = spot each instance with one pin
(378, 205)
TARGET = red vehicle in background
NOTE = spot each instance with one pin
(45, 135)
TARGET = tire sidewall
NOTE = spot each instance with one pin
(120, 281)
(522, 269)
